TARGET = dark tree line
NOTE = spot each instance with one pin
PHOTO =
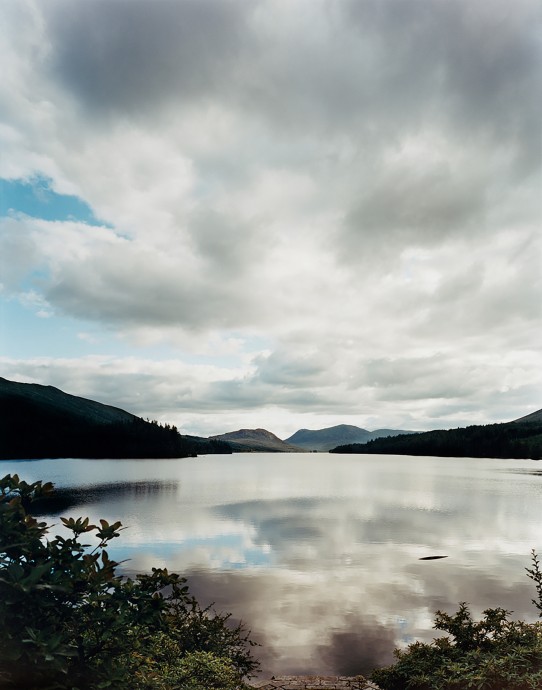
(29, 430)
(511, 440)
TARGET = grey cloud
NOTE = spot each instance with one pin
(404, 125)
(490, 296)
(361, 66)
(416, 206)
(360, 74)
(161, 392)
(469, 74)
(243, 595)
(128, 284)
(287, 525)
(369, 528)
(133, 56)
(358, 648)
(381, 71)
(480, 60)
(411, 374)
(100, 276)
(354, 641)
(450, 382)
(226, 243)
(138, 393)
(249, 393)
(286, 367)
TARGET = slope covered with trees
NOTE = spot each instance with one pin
(519, 439)
(42, 421)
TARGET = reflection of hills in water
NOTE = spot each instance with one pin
(524, 470)
(64, 499)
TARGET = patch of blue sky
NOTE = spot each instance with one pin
(252, 342)
(35, 197)
(215, 546)
(30, 330)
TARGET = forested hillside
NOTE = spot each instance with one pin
(42, 421)
(510, 440)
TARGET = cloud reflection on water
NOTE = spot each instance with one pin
(320, 555)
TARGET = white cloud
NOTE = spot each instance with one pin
(354, 185)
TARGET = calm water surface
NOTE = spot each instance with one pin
(318, 553)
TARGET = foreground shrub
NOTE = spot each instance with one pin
(165, 670)
(67, 620)
(494, 653)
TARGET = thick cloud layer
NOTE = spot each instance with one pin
(340, 197)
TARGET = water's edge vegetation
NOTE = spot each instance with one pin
(68, 620)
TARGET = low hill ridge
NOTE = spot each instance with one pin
(256, 440)
(521, 438)
(330, 437)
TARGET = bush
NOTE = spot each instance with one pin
(492, 654)
(195, 671)
(67, 620)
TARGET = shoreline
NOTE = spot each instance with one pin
(313, 683)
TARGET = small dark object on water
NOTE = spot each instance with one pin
(431, 558)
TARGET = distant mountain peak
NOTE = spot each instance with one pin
(259, 440)
(333, 436)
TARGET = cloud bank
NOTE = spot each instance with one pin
(325, 212)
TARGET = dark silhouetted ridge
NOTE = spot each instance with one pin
(518, 439)
(44, 422)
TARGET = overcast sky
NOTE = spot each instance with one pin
(274, 213)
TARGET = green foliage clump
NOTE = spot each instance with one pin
(166, 670)
(494, 653)
(67, 620)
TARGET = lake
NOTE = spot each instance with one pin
(320, 553)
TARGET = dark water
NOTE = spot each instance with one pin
(320, 554)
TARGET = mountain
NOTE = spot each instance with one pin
(521, 438)
(326, 439)
(534, 417)
(41, 421)
(53, 399)
(256, 440)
